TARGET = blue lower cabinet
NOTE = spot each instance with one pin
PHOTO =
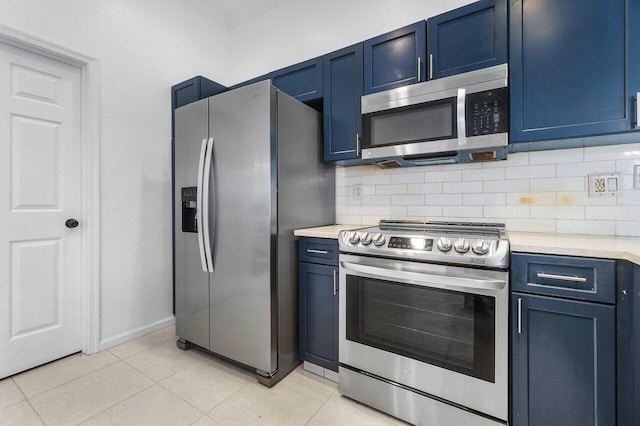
(318, 314)
(343, 90)
(563, 362)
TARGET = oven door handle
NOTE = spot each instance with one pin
(426, 279)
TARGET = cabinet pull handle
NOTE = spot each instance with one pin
(519, 315)
(637, 110)
(358, 144)
(317, 251)
(430, 66)
(561, 277)
(419, 68)
(335, 286)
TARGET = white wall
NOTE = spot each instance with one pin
(144, 47)
(297, 30)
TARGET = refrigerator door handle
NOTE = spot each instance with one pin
(208, 236)
(199, 205)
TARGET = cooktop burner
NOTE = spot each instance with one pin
(463, 243)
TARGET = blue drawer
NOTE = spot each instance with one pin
(570, 277)
(319, 250)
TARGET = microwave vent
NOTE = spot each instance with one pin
(388, 164)
(482, 156)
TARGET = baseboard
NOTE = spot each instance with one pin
(134, 334)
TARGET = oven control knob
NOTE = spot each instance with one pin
(365, 238)
(379, 240)
(354, 238)
(444, 244)
(480, 247)
(461, 245)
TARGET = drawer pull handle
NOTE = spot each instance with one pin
(562, 277)
(519, 315)
(317, 251)
(335, 284)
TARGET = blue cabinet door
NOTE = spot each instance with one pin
(468, 38)
(194, 89)
(318, 310)
(342, 103)
(563, 370)
(573, 67)
(303, 81)
(395, 59)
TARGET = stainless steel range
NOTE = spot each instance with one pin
(424, 321)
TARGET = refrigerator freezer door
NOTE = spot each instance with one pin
(243, 185)
(192, 283)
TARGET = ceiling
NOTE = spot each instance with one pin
(231, 13)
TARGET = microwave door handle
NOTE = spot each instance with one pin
(462, 127)
(200, 205)
(424, 279)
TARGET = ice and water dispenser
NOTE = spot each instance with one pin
(189, 209)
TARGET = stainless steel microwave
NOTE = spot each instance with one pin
(460, 118)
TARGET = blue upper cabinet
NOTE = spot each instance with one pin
(395, 59)
(303, 81)
(574, 67)
(194, 89)
(467, 38)
(342, 104)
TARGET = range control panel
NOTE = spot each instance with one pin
(487, 112)
(425, 244)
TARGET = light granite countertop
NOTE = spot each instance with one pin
(330, 231)
(609, 247)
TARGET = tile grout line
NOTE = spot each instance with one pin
(25, 400)
(321, 406)
(116, 404)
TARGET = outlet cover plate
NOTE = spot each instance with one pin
(604, 184)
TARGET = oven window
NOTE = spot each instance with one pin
(449, 329)
(423, 122)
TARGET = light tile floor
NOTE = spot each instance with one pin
(149, 381)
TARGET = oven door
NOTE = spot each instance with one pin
(439, 329)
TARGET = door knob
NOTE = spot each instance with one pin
(71, 223)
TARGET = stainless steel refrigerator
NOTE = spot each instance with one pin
(248, 170)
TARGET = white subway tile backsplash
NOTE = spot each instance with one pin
(463, 211)
(629, 228)
(531, 225)
(540, 171)
(484, 199)
(462, 187)
(407, 178)
(507, 211)
(583, 169)
(376, 179)
(424, 188)
(391, 189)
(557, 156)
(425, 211)
(376, 200)
(543, 191)
(557, 212)
(512, 185)
(559, 184)
(593, 227)
(407, 200)
(443, 199)
(617, 213)
(532, 198)
(483, 174)
(443, 176)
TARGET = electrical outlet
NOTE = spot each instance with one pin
(604, 184)
(636, 176)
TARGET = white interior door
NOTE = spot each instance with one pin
(40, 188)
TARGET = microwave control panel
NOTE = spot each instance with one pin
(487, 112)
